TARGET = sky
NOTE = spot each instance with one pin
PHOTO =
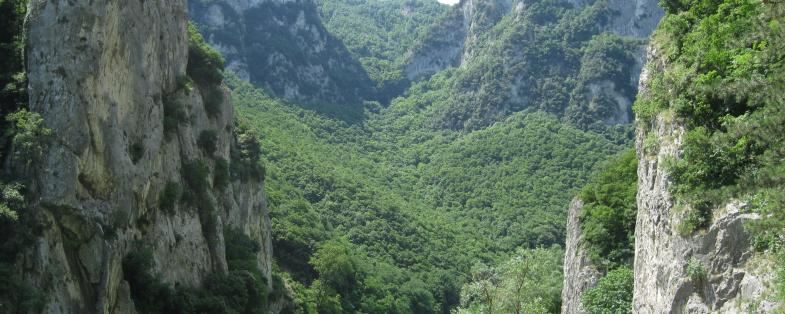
(449, 2)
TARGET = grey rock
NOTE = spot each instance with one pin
(98, 74)
(283, 46)
(662, 284)
(579, 273)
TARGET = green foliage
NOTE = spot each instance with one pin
(213, 98)
(723, 79)
(169, 197)
(16, 231)
(16, 296)
(337, 266)
(547, 58)
(694, 219)
(397, 188)
(13, 81)
(525, 284)
(28, 135)
(208, 141)
(242, 290)
(195, 174)
(609, 212)
(780, 276)
(136, 151)
(174, 114)
(696, 271)
(389, 29)
(222, 176)
(205, 67)
(245, 153)
(612, 294)
(205, 64)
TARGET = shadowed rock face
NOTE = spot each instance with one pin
(734, 278)
(579, 274)
(283, 46)
(99, 74)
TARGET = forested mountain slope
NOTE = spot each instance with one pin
(283, 46)
(394, 208)
(578, 60)
(389, 29)
(391, 156)
(391, 205)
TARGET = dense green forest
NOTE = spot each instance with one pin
(419, 212)
(388, 211)
(388, 30)
(449, 193)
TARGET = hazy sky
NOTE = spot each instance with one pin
(450, 2)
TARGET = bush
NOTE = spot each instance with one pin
(242, 290)
(28, 135)
(169, 196)
(16, 295)
(245, 164)
(195, 174)
(213, 99)
(174, 115)
(695, 219)
(208, 140)
(221, 177)
(612, 295)
(609, 212)
(136, 151)
(205, 65)
(696, 271)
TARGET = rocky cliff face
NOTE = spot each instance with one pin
(283, 46)
(453, 42)
(100, 73)
(513, 55)
(713, 271)
(579, 274)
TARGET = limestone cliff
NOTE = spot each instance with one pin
(579, 273)
(101, 73)
(283, 46)
(453, 41)
(514, 55)
(732, 278)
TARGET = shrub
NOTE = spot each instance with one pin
(169, 196)
(213, 99)
(195, 174)
(174, 114)
(149, 292)
(696, 271)
(612, 295)
(28, 135)
(245, 164)
(136, 151)
(609, 212)
(205, 65)
(221, 177)
(240, 290)
(694, 220)
(17, 296)
(208, 140)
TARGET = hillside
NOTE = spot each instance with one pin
(392, 156)
(392, 198)
(707, 224)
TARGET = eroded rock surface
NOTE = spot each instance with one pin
(100, 72)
